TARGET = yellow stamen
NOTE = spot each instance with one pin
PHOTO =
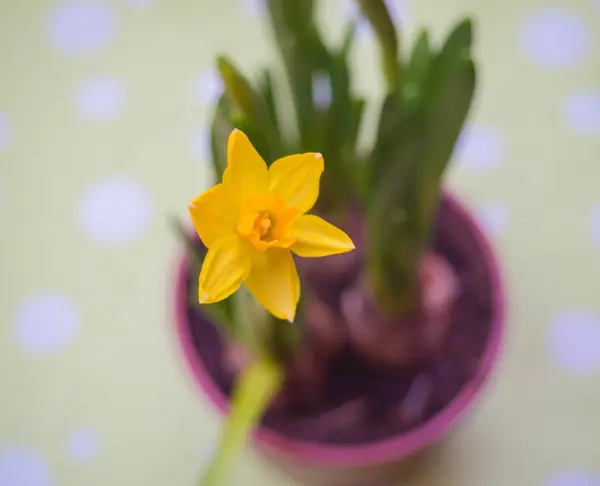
(267, 222)
(264, 224)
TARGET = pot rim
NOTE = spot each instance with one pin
(382, 451)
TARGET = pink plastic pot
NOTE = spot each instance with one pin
(306, 458)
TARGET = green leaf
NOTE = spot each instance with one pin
(399, 111)
(447, 104)
(344, 178)
(394, 244)
(328, 130)
(348, 38)
(267, 91)
(460, 38)
(237, 87)
(334, 136)
(379, 17)
(254, 391)
(445, 120)
(357, 109)
(417, 75)
(220, 130)
(252, 107)
(389, 137)
(409, 119)
(408, 173)
(225, 119)
(304, 55)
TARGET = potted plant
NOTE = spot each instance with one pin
(396, 307)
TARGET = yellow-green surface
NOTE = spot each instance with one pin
(103, 108)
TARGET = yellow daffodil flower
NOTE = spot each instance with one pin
(252, 222)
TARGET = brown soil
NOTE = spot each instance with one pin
(360, 403)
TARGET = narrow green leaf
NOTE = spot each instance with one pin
(344, 178)
(446, 105)
(357, 110)
(353, 163)
(254, 391)
(424, 123)
(220, 130)
(460, 38)
(417, 75)
(379, 17)
(304, 55)
(267, 91)
(394, 244)
(389, 137)
(252, 107)
(225, 119)
(445, 119)
(236, 86)
(348, 38)
(334, 136)
(389, 117)
(400, 109)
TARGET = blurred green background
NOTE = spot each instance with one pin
(104, 108)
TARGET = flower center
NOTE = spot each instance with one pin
(267, 222)
(263, 223)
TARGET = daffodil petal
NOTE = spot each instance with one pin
(296, 179)
(226, 265)
(274, 282)
(246, 174)
(213, 215)
(315, 237)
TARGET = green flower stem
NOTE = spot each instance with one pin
(254, 391)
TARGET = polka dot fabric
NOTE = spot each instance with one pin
(105, 109)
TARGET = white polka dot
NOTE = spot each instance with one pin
(200, 144)
(81, 27)
(321, 90)
(480, 147)
(115, 210)
(555, 37)
(82, 445)
(574, 342)
(254, 8)
(493, 217)
(574, 477)
(4, 130)
(100, 99)
(582, 112)
(208, 86)
(595, 225)
(46, 322)
(23, 467)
